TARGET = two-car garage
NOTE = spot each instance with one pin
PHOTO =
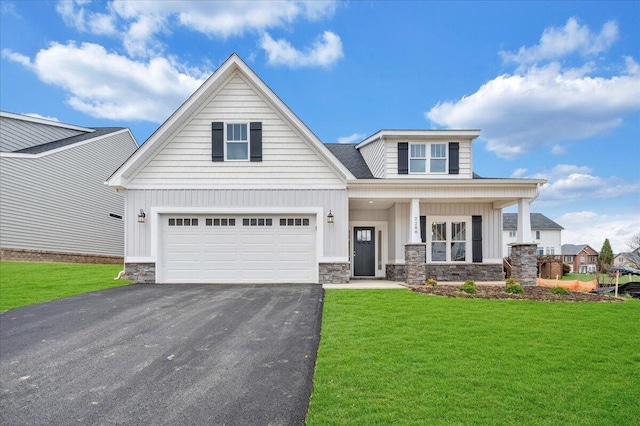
(237, 248)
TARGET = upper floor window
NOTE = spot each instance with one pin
(512, 234)
(237, 141)
(428, 158)
(537, 235)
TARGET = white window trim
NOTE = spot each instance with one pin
(226, 123)
(448, 220)
(427, 158)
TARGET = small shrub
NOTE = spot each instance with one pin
(559, 290)
(511, 281)
(431, 281)
(514, 288)
(469, 287)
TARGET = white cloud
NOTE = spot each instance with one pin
(567, 183)
(325, 51)
(108, 85)
(556, 43)
(143, 21)
(558, 150)
(519, 172)
(16, 57)
(44, 117)
(355, 137)
(588, 227)
(544, 106)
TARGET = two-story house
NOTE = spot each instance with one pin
(581, 258)
(235, 188)
(627, 258)
(545, 232)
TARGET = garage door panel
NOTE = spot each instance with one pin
(242, 254)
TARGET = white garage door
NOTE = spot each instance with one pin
(237, 249)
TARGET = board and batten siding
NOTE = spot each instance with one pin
(58, 202)
(287, 159)
(20, 134)
(491, 225)
(374, 155)
(465, 172)
(138, 244)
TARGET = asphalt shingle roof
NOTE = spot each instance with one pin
(538, 221)
(351, 158)
(100, 131)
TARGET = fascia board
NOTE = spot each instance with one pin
(52, 123)
(445, 182)
(464, 134)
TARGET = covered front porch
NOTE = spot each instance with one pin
(444, 230)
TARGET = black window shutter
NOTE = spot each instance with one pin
(476, 238)
(423, 228)
(403, 158)
(255, 141)
(217, 141)
(454, 158)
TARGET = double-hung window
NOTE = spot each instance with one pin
(237, 141)
(427, 158)
(449, 242)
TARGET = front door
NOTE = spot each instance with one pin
(364, 252)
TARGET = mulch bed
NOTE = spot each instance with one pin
(530, 293)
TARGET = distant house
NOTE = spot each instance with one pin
(544, 231)
(54, 204)
(631, 259)
(581, 258)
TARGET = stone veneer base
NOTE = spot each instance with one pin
(334, 272)
(140, 273)
(449, 273)
(524, 263)
(26, 255)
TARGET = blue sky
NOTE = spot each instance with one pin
(554, 86)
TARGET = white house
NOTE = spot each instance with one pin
(53, 201)
(546, 233)
(234, 188)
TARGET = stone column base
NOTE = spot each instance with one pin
(415, 258)
(524, 263)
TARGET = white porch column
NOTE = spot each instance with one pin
(415, 221)
(523, 235)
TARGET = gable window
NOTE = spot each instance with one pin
(427, 158)
(237, 141)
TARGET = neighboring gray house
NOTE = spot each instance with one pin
(235, 188)
(628, 258)
(54, 204)
(544, 232)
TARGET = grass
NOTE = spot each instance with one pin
(402, 358)
(605, 279)
(26, 283)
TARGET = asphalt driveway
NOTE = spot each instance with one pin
(162, 355)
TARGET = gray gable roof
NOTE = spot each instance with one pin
(538, 221)
(574, 249)
(99, 131)
(351, 158)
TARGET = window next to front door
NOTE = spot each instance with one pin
(449, 240)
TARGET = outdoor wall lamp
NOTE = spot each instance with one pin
(142, 217)
(330, 217)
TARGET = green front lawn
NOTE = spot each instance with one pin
(394, 357)
(26, 283)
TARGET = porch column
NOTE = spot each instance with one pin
(523, 235)
(415, 221)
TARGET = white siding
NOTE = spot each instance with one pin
(59, 202)
(491, 224)
(374, 155)
(466, 171)
(548, 238)
(287, 159)
(138, 244)
(18, 134)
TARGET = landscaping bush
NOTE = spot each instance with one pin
(431, 281)
(559, 290)
(566, 269)
(514, 288)
(469, 287)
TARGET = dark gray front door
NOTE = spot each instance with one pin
(364, 252)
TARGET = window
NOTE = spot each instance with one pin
(448, 242)
(257, 221)
(363, 235)
(537, 235)
(291, 221)
(421, 154)
(179, 221)
(512, 234)
(438, 157)
(237, 142)
(550, 251)
(540, 251)
(224, 221)
(568, 259)
(581, 259)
